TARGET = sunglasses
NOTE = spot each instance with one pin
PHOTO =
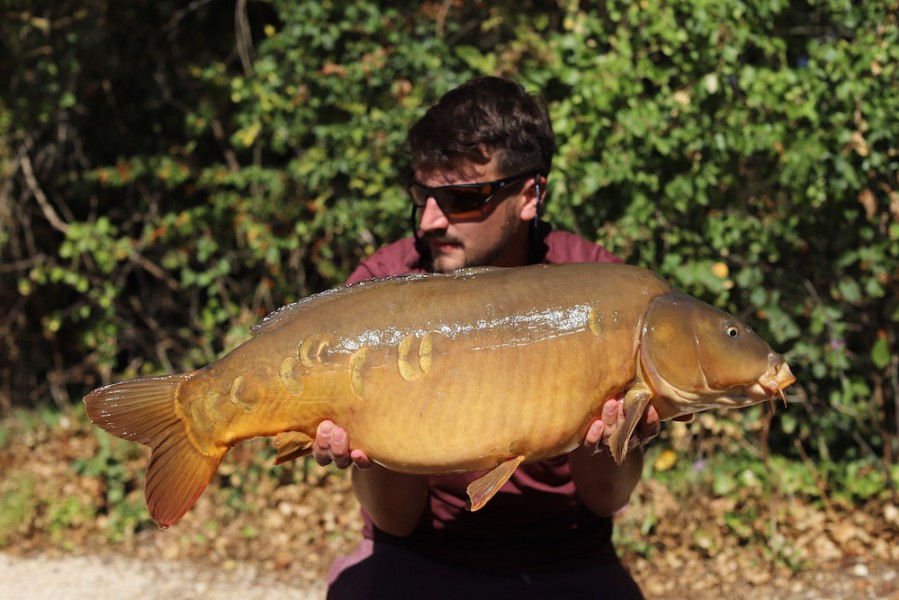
(465, 197)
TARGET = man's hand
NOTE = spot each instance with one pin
(332, 445)
(604, 486)
(597, 438)
(395, 501)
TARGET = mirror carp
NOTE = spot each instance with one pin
(481, 369)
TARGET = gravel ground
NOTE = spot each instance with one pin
(114, 578)
(72, 577)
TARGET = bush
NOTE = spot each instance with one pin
(165, 186)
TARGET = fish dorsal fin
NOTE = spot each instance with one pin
(635, 402)
(466, 272)
(292, 445)
(482, 489)
(278, 316)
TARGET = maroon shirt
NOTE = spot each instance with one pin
(536, 522)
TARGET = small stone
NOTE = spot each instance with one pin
(891, 514)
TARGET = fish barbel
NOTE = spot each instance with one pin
(482, 369)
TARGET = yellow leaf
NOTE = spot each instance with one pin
(720, 270)
(665, 460)
(247, 135)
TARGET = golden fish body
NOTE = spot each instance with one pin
(480, 369)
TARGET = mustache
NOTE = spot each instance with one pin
(437, 238)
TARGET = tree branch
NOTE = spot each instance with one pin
(42, 201)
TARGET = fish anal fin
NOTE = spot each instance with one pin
(482, 489)
(291, 445)
(635, 402)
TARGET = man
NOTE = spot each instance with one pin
(480, 158)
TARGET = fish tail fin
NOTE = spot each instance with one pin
(144, 410)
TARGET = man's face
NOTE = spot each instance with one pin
(497, 235)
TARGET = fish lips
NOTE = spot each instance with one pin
(770, 385)
(777, 377)
(677, 402)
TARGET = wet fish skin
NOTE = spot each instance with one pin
(480, 369)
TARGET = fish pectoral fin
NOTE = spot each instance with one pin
(292, 445)
(635, 402)
(482, 489)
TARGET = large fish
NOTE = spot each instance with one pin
(475, 370)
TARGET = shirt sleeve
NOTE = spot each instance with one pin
(565, 247)
(398, 258)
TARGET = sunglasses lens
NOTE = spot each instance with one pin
(419, 195)
(458, 200)
(466, 198)
(451, 200)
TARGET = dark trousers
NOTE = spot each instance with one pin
(387, 571)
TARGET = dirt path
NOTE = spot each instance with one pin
(71, 577)
(113, 578)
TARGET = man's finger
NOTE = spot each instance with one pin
(650, 425)
(340, 451)
(610, 412)
(360, 459)
(594, 436)
(321, 447)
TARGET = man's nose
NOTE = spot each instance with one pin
(432, 217)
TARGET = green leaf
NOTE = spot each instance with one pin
(880, 353)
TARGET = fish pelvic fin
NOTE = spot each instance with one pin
(635, 401)
(482, 489)
(145, 410)
(292, 445)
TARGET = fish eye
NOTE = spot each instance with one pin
(731, 330)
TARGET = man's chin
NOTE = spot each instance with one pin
(446, 262)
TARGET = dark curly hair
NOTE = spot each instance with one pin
(481, 118)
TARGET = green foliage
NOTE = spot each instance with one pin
(635, 535)
(65, 513)
(170, 173)
(123, 501)
(36, 496)
(756, 496)
(18, 504)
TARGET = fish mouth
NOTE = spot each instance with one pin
(672, 401)
(766, 388)
(777, 377)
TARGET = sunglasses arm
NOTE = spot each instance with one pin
(536, 242)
